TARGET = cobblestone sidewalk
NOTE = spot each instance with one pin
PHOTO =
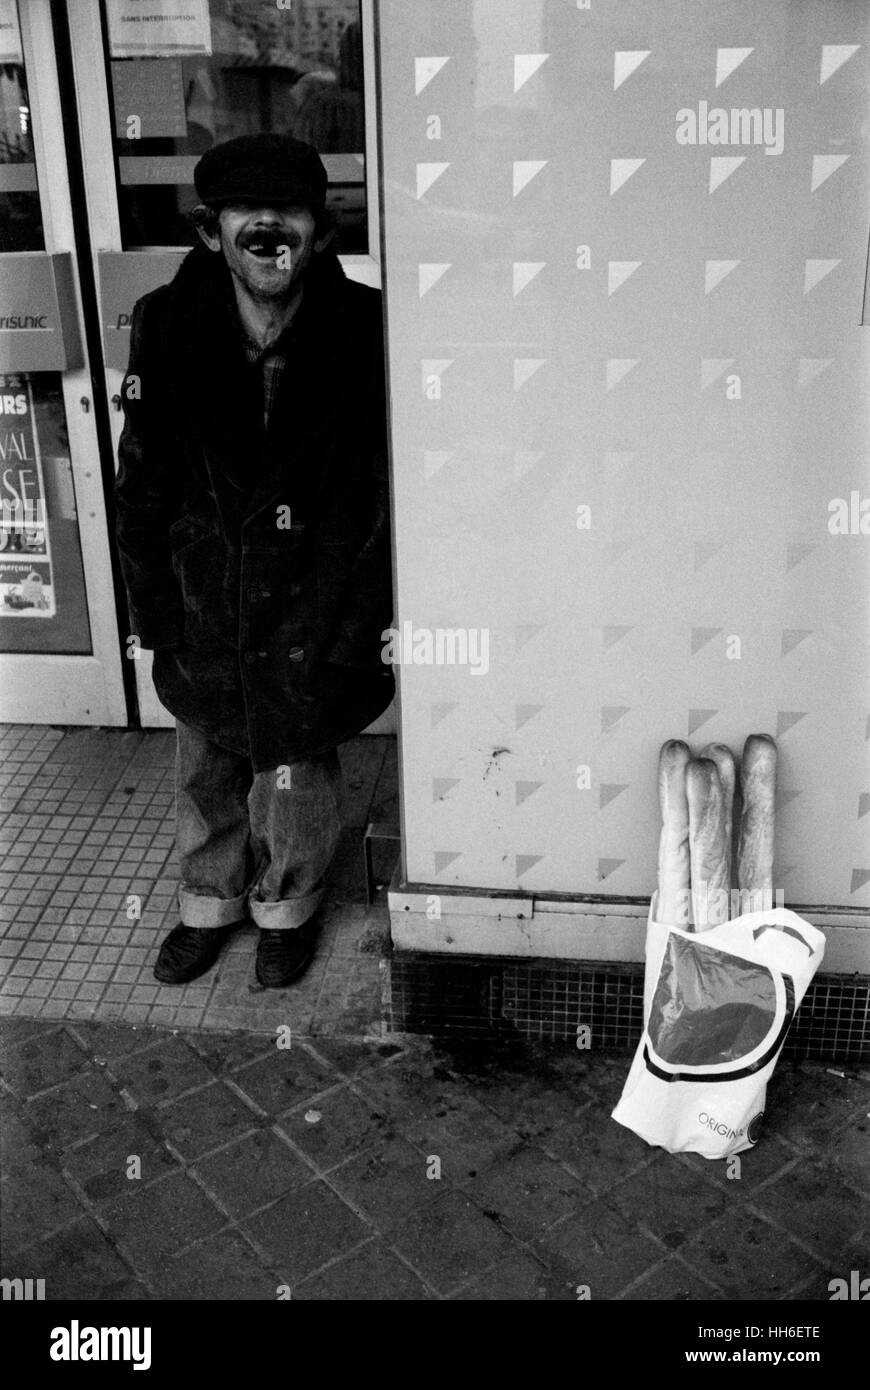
(142, 1164)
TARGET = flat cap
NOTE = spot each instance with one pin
(263, 168)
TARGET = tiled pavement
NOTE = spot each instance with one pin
(145, 1164)
(189, 1162)
(87, 830)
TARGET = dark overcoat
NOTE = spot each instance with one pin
(257, 561)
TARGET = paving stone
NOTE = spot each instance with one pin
(758, 1166)
(747, 1257)
(813, 1205)
(449, 1240)
(346, 1125)
(596, 1148)
(40, 1062)
(465, 1136)
(526, 1192)
(671, 1282)
(77, 1263)
(517, 1279)
(86, 1104)
(161, 1072)
(33, 1203)
(598, 1248)
(371, 1274)
(252, 1172)
(149, 1224)
(304, 1229)
(850, 1158)
(224, 1052)
(222, 1267)
(283, 1078)
(352, 1056)
(205, 1120)
(671, 1200)
(388, 1181)
(101, 1165)
(808, 1108)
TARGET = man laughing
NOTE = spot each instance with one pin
(254, 535)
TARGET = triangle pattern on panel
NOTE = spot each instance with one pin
(524, 274)
(811, 367)
(442, 785)
(859, 878)
(425, 69)
(786, 719)
(702, 635)
(427, 174)
(609, 791)
(627, 61)
(525, 789)
(618, 368)
(815, 272)
(525, 460)
(824, 165)
(714, 367)
(526, 712)
(434, 460)
(704, 551)
(525, 368)
(728, 60)
(796, 553)
(699, 717)
(524, 633)
(443, 857)
(611, 715)
(525, 66)
(621, 171)
(434, 366)
(722, 167)
(612, 635)
(606, 867)
(524, 171)
(441, 709)
(430, 272)
(524, 862)
(618, 272)
(834, 55)
(792, 637)
(715, 272)
(863, 805)
(784, 798)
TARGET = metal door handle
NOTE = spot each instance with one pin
(85, 404)
(116, 401)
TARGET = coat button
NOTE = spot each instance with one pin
(296, 654)
(249, 658)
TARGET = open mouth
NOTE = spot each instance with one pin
(266, 247)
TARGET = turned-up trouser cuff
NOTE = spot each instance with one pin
(249, 844)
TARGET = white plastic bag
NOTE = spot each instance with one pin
(717, 1007)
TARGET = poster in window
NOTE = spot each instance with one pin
(10, 34)
(158, 28)
(26, 573)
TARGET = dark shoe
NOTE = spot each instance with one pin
(282, 956)
(188, 952)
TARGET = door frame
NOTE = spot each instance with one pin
(43, 688)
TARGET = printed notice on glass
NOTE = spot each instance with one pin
(26, 573)
(10, 34)
(158, 28)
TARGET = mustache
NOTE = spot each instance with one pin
(270, 240)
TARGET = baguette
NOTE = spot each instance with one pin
(756, 838)
(722, 756)
(711, 871)
(673, 895)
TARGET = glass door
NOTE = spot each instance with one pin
(157, 89)
(59, 652)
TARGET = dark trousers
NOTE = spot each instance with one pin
(249, 843)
